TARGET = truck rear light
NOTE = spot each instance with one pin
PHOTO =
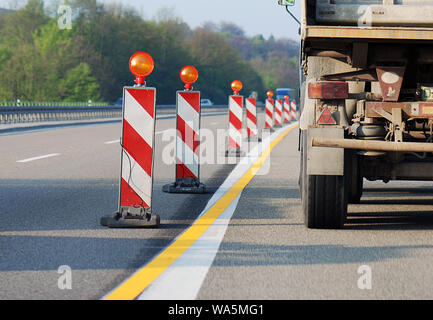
(328, 90)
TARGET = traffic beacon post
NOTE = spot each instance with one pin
(278, 112)
(286, 109)
(269, 108)
(293, 110)
(187, 171)
(251, 106)
(137, 141)
(236, 103)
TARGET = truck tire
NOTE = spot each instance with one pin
(353, 177)
(324, 200)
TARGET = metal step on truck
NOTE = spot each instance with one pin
(366, 100)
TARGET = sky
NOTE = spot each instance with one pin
(264, 17)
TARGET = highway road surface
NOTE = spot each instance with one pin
(56, 184)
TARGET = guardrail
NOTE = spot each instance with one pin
(9, 115)
(27, 114)
(19, 103)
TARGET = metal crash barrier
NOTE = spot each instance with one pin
(11, 115)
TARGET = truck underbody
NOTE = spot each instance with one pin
(367, 107)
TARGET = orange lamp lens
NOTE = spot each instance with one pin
(141, 64)
(189, 74)
(270, 94)
(286, 97)
(236, 86)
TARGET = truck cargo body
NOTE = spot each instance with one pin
(366, 100)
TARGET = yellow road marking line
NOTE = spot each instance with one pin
(139, 281)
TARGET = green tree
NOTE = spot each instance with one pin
(277, 71)
(38, 61)
(80, 85)
(19, 26)
(17, 52)
(219, 64)
(58, 51)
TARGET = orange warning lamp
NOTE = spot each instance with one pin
(141, 65)
(286, 97)
(270, 94)
(188, 75)
(236, 86)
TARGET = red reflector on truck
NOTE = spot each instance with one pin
(326, 117)
(328, 90)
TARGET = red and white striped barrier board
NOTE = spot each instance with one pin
(236, 103)
(137, 142)
(278, 112)
(269, 115)
(251, 117)
(293, 110)
(286, 107)
(188, 127)
(187, 144)
(136, 176)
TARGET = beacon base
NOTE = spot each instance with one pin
(253, 139)
(232, 152)
(182, 186)
(131, 217)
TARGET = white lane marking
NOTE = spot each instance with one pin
(214, 123)
(183, 279)
(113, 141)
(189, 271)
(39, 157)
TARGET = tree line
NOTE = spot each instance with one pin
(40, 61)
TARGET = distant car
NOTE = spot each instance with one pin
(118, 102)
(206, 102)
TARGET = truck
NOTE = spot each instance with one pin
(282, 92)
(366, 100)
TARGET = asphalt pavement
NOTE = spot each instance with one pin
(51, 205)
(268, 253)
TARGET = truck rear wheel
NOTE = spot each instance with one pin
(323, 198)
(353, 177)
